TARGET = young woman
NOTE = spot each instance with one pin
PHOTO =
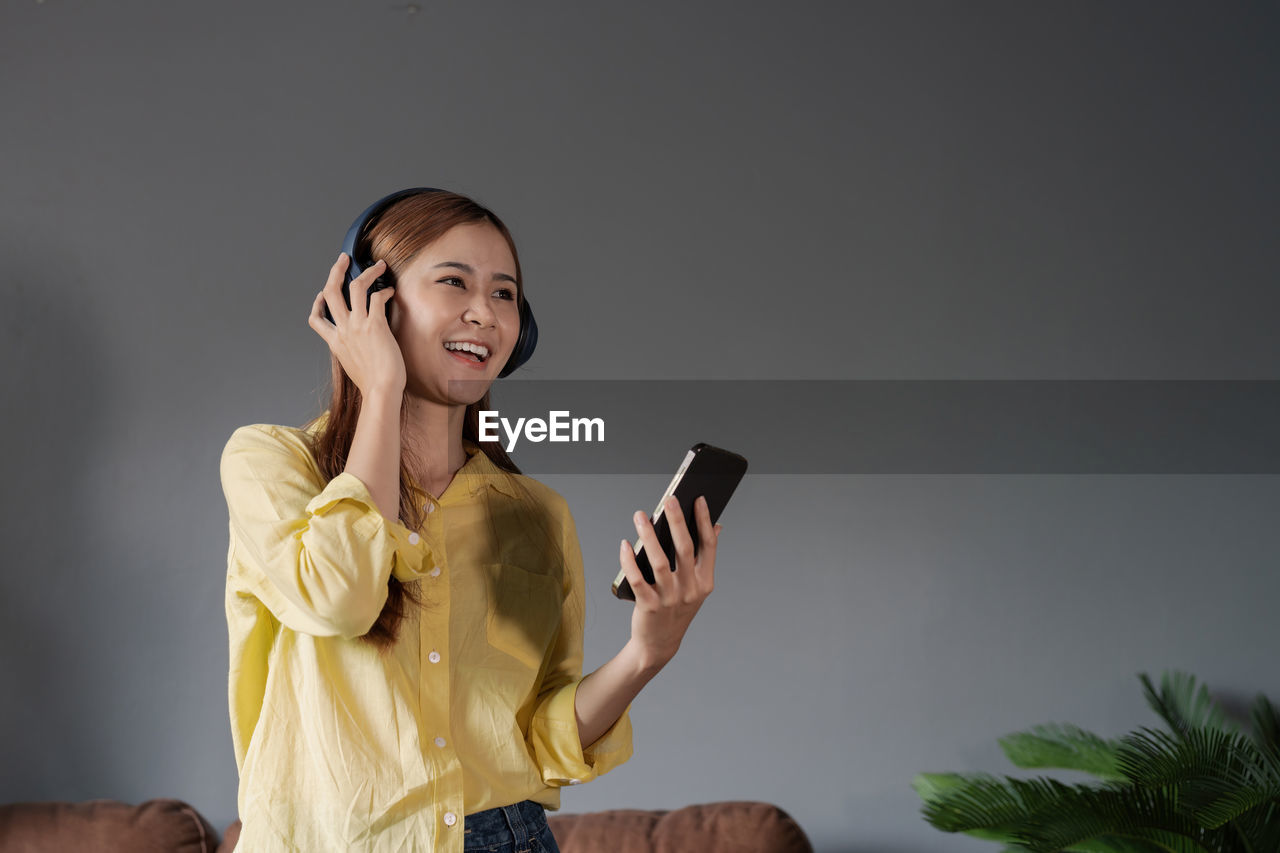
(405, 608)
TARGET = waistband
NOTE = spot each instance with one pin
(517, 822)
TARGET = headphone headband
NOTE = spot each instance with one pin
(355, 267)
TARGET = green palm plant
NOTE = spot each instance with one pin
(1207, 785)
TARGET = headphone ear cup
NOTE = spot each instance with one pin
(526, 341)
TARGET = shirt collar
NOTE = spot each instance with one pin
(480, 471)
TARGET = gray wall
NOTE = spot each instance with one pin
(915, 191)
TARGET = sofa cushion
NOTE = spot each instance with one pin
(156, 826)
(727, 827)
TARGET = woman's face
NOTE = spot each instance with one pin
(462, 287)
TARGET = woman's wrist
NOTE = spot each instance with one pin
(383, 398)
(645, 663)
(603, 695)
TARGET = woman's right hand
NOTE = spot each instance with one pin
(359, 336)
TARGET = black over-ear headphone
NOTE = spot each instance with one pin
(525, 342)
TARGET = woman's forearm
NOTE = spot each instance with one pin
(374, 457)
(605, 694)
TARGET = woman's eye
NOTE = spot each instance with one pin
(505, 293)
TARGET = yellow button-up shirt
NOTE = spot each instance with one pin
(340, 748)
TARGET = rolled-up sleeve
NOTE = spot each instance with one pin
(553, 733)
(318, 555)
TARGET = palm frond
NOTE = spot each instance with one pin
(936, 788)
(1113, 844)
(987, 803)
(931, 786)
(1164, 840)
(980, 805)
(1217, 775)
(1063, 746)
(1205, 786)
(1261, 826)
(1181, 705)
(1266, 729)
(1115, 811)
(1156, 758)
(1233, 807)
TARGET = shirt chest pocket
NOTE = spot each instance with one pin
(524, 612)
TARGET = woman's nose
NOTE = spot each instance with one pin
(480, 311)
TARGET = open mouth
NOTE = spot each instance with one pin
(470, 353)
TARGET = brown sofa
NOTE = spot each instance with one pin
(156, 826)
(172, 826)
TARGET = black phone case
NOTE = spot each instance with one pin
(708, 471)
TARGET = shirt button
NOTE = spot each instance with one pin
(435, 572)
(413, 538)
(439, 741)
(434, 657)
(450, 818)
(430, 507)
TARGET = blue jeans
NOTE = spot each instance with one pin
(518, 828)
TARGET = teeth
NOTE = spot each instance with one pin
(479, 350)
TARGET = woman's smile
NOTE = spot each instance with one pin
(469, 359)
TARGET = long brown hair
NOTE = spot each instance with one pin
(396, 236)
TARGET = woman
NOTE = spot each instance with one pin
(404, 607)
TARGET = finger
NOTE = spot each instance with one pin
(709, 570)
(333, 290)
(335, 272)
(317, 305)
(360, 285)
(657, 557)
(705, 569)
(316, 319)
(382, 297)
(679, 536)
(640, 588)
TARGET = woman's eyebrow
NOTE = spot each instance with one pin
(498, 276)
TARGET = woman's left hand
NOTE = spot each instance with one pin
(664, 609)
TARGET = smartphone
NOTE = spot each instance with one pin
(706, 471)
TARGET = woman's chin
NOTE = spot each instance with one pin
(456, 392)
